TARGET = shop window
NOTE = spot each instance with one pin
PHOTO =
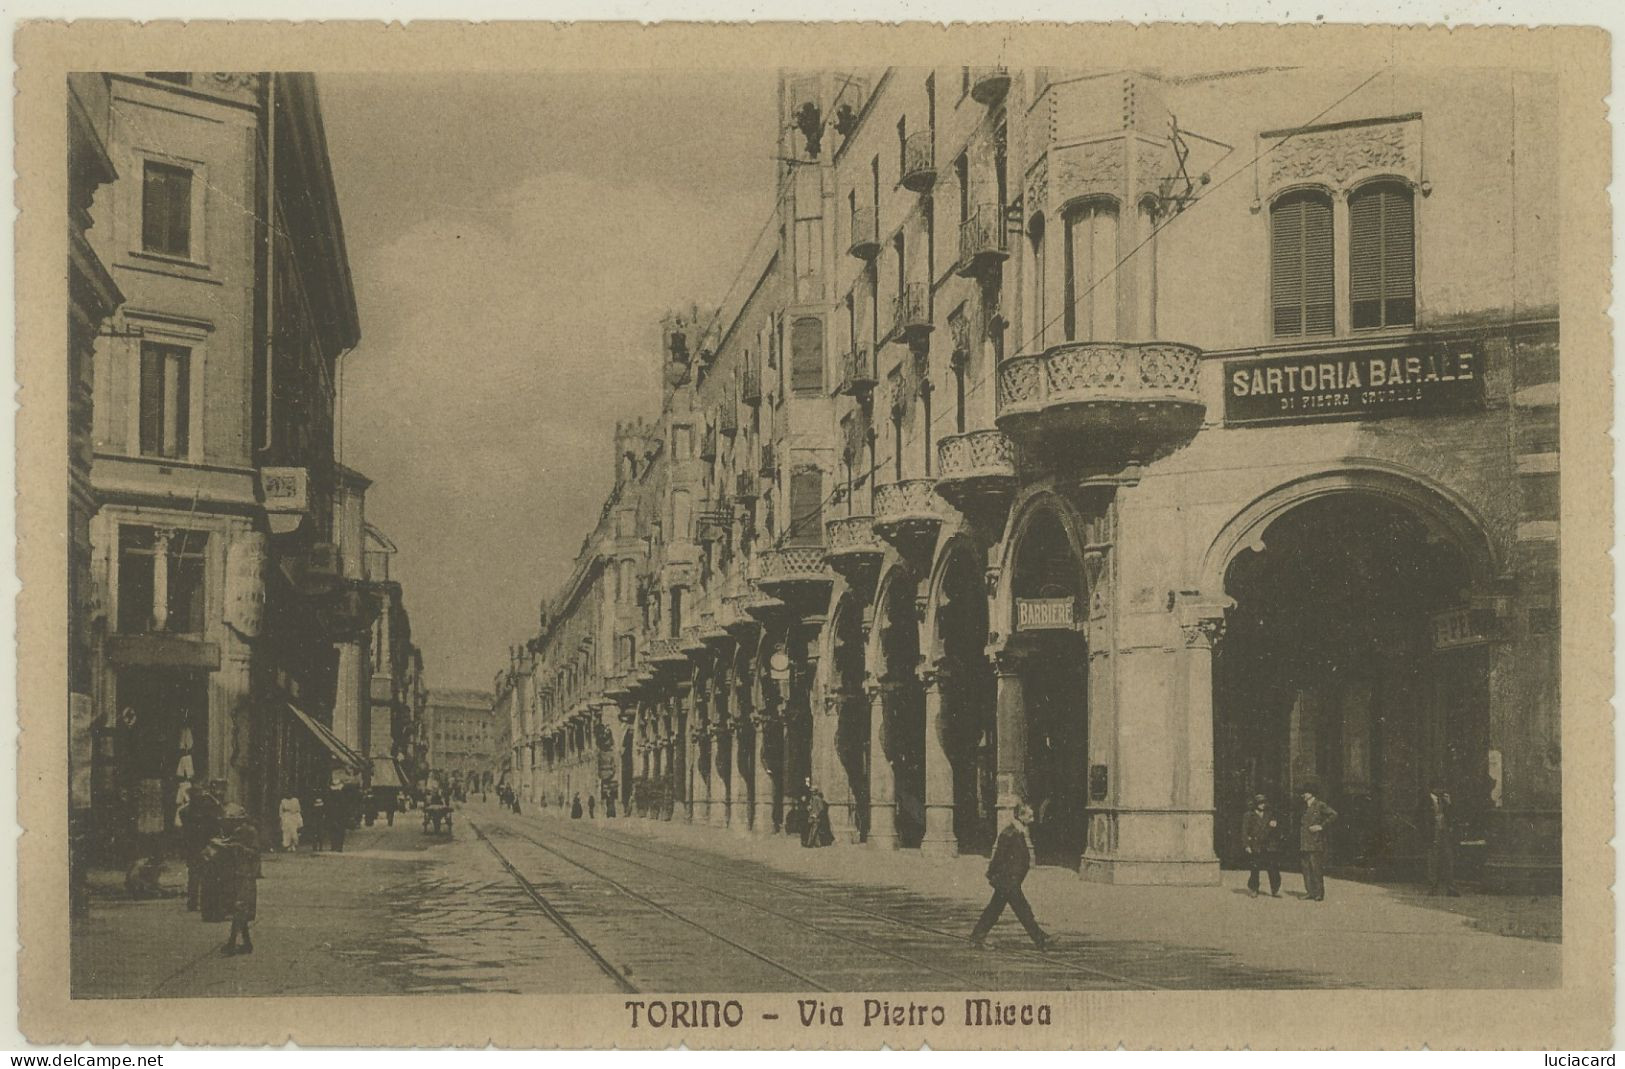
(161, 580)
(806, 508)
(1091, 276)
(1382, 257)
(166, 209)
(1301, 264)
(807, 355)
(166, 400)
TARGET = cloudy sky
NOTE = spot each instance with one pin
(514, 240)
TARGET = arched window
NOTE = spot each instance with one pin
(1301, 264)
(1382, 256)
(1091, 278)
(807, 355)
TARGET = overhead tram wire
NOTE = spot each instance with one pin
(914, 437)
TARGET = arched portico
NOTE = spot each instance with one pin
(896, 714)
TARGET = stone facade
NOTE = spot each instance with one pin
(1102, 487)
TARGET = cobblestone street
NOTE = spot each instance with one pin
(541, 904)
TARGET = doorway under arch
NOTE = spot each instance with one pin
(1331, 672)
(903, 702)
(852, 713)
(1055, 689)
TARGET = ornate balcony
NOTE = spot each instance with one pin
(690, 641)
(746, 487)
(618, 687)
(853, 549)
(857, 373)
(1114, 400)
(738, 621)
(763, 607)
(983, 241)
(666, 653)
(865, 234)
(908, 515)
(713, 631)
(919, 161)
(976, 471)
(911, 313)
(791, 573)
(988, 85)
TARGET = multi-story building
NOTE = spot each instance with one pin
(221, 592)
(388, 730)
(462, 733)
(1126, 443)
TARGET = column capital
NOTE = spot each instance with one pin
(1201, 617)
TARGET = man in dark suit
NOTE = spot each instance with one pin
(1261, 839)
(1438, 824)
(1317, 817)
(1012, 858)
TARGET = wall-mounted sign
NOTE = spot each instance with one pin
(1415, 380)
(285, 489)
(1456, 629)
(1046, 614)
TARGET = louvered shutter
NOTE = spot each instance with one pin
(1301, 270)
(152, 399)
(1382, 258)
(1286, 267)
(807, 355)
(806, 508)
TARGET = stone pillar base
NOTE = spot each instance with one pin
(939, 839)
(1155, 871)
(763, 824)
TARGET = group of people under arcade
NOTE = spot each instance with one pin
(323, 817)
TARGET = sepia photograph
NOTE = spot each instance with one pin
(920, 538)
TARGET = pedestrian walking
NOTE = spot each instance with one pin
(817, 832)
(1317, 817)
(293, 819)
(1261, 839)
(1012, 858)
(1438, 823)
(338, 817)
(239, 859)
(592, 805)
(318, 821)
(575, 807)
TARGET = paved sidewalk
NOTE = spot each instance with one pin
(1367, 935)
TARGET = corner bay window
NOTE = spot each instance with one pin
(1382, 257)
(166, 209)
(1090, 313)
(166, 400)
(1301, 295)
(161, 580)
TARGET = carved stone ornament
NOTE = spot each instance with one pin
(1207, 631)
(1038, 186)
(1337, 158)
(1089, 169)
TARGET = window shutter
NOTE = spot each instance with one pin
(1301, 296)
(806, 508)
(807, 355)
(1286, 267)
(1382, 261)
(152, 399)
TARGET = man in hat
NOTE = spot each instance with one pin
(239, 858)
(200, 822)
(1012, 858)
(1317, 817)
(1438, 825)
(1261, 839)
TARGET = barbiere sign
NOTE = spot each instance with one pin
(1417, 380)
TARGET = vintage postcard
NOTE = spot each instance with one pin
(815, 536)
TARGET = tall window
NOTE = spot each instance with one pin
(1091, 279)
(806, 508)
(1301, 264)
(807, 355)
(962, 178)
(161, 574)
(1382, 257)
(682, 516)
(166, 401)
(166, 209)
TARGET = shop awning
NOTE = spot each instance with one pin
(324, 734)
(386, 773)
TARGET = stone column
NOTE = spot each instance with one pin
(939, 838)
(882, 777)
(828, 775)
(766, 725)
(1012, 727)
(744, 815)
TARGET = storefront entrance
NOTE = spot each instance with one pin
(1333, 670)
(160, 738)
(970, 726)
(903, 702)
(1051, 601)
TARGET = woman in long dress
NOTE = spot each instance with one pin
(293, 819)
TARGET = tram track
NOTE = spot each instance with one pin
(969, 982)
(638, 896)
(552, 913)
(1046, 958)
